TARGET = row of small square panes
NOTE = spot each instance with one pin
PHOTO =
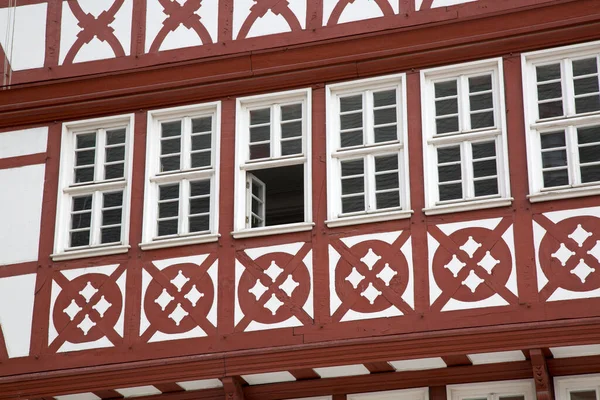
(186, 144)
(92, 166)
(111, 217)
(276, 131)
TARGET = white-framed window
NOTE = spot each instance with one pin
(94, 188)
(405, 394)
(503, 390)
(367, 164)
(581, 387)
(273, 164)
(561, 89)
(464, 137)
(182, 181)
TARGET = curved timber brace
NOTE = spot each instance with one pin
(541, 377)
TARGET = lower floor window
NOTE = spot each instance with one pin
(183, 207)
(96, 218)
(582, 387)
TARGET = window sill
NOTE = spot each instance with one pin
(564, 194)
(273, 230)
(179, 241)
(90, 252)
(468, 206)
(368, 218)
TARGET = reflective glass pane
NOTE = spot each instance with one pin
(292, 111)
(486, 187)
(583, 395)
(385, 116)
(556, 178)
(386, 163)
(589, 134)
(80, 238)
(548, 91)
(115, 153)
(260, 151)
(170, 146)
(84, 175)
(111, 235)
(387, 181)
(484, 168)
(481, 101)
(115, 136)
(589, 154)
(556, 158)
(170, 163)
(550, 109)
(260, 133)
(445, 125)
(169, 192)
(449, 173)
(386, 133)
(587, 104)
(385, 98)
(553, 139)
(201, 159)
(586, 85)
(482, 120)
(85, 157)
(354, 167)
(86, 140)
(113, 199)
(353, 185)
(353, 138)
(590, 173)
(585, 67)
(388, 199)
(290, 147)
(81, 203)
(445, 107)
(203, 124)
(291, 129)
(480, 83)
(200, 142)
(451, 191)
(200, 223)
(114, 171)
(445, 89)
(111, 217)
(483, 150)
(262, 116)
(82, 220)
(353, 204)
(169, 129)
(548, 72)
(350, 121)
(199, 205)
(199, 188)
(448, 154)
(168, 209)
(168, 227)
(350, 103)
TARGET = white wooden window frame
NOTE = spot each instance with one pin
(154, 178)
(67, 190)
(464, 138)
(564, 385)
(534, 127)
(492, 390)
(243, 164)
(404, 394)
(369, 149)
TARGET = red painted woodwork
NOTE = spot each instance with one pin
(541, 377)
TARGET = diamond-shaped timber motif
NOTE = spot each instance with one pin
(563, 254)
(580, 235)
(355, 278)
(473, 281)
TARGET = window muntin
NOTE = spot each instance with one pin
(94, 181)
(464, 136)
(273, 169)
(562, 93)
(366, 135)
(180, 204)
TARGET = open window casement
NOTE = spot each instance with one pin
(255, 201)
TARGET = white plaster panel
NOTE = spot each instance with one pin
(23, 142)
(17, 294)
(334, 299)
(576, 351)
(269, 23)
(95, 49)
(290, 248)
(494, 301)
(20, 213)
(342, 370)
(78, 396)
(419, 364)
(356, 11)
(23, 35)
(138, 391)
(201, 384)
(269, 377)
(496, 357)
(441, 3)
(434, 289)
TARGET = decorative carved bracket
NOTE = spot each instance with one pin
(233, 388)
(541, 377)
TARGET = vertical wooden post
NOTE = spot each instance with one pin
(437, 393)
(233, 388)
(541, 377)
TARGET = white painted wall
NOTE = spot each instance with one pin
(16, 312)
(441, 3)
(23, 142)
(23, 35)
(21, 192)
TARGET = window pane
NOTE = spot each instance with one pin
(168, 209)
(170, 146)
(351, 103)
(111, 235)
(556, 158)
(481, 101)
(81, 238)
(585, 67)
(386, 163)
(353, 204)
(353, 185)
(199, 205)
(168, 227)
(292, 111)
(262, 116)
(386, 134)
(483, 150)
(550, 109)
(556, 178)
(201, 159)
(388, 199)
(82, 203)
(448, 173)
(115, 154)
(512, 397)
(290, 147)
(587, 104)
(589, 154)
(484, 168)
(200, 223)
(291, 129)
(260, 133)
(445, 89)
(385, 98)
(445, 107)
(82, 220)
(203, 124)
(169, 192)
(169, 129)
(354, 167)
(86, 140)
(548, 72)
(588, 135)
(480, 83)
(590, 173)
(385, 116)
(583, 395)
(353, 138)
(113, 199)
(486, 187)
(111, 217)
(448, 154)
(445, 125)
(351, 121)
(201, 142)
(586, 85)
(553, 139)
(84, 174)
(387, 181)
(116, 136)
(85, 157)
(482, 120)
(170, 163)
(114, 171)
(260, 151)
(451, 191)
(199, 188)
(548, 91)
